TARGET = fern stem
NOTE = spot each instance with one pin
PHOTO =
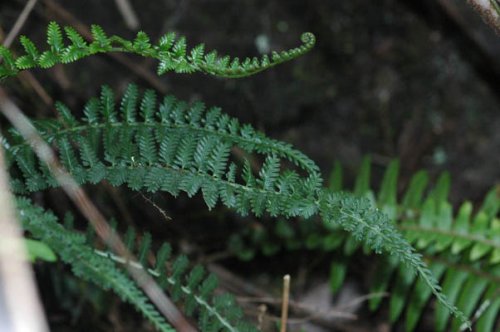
(266, 145)
(186, 290)
(169, 51)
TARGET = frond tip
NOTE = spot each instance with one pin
(373, 228)
(171, 52)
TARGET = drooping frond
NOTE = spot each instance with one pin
(171, 52)
(191, 287)
(462, 247)
(185, 148)
(72, 249)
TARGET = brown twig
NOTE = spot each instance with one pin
(284, 302)
(128, 14)
(489, 11)
(255, 294)
(308, 312)
(19, 23)
(89, 210)
(159, 209)
(21, 309)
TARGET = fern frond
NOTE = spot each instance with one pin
(170, 51)
(156, 152)
(72, 249)
(467, 244)
(192, 287)
(165, 152)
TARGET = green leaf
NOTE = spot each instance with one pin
(197, 54)
(65, 113)
(29, 60)
(413, 195)
(148, 106)
(269, 172)
(440, 192)
(452, 286)
(462, 226)
(419, 298)
(29, 48)
(444, 221)
(107, 107)
(91, 111)
(144, 248)
(166, 42)
(480, 225)
(39, 250)
(128, 105)
(400, 292)
(48, 59)
(179, 49)
(491, 203)
(54, 37)
(217, 162)
(335, 181)
(101, 41)
(75, 38)
(469, 297)
(427, 221)
(387, 197)
(362, 185)
(491, 307)
(337, 276)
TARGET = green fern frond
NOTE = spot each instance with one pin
(170, 51)
(191, 287)
(72, 249)
(164, 152)
(467, 244)
(182, 148)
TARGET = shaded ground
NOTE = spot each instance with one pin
(388, 78)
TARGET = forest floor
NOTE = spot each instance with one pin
(392, 79)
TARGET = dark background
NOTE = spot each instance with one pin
(414, 80)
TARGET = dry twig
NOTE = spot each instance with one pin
(128, 13)
(489, 11)
(284, 303)
(18, 293)
(19, 23)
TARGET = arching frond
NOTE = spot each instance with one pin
(171, 52)
(462, 248)
(192, 287)
(183, 148)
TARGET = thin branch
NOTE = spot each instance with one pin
(128, 14)
(489, 11)
(19, 23)
(18, 293)
(284, 303)
(89, 210)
